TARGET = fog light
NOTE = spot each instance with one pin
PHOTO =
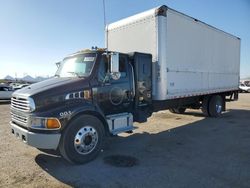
(53, 123)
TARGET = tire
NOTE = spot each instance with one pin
(172, 110)
(205, 106)
(180, 110)
(177, 110)
(215, 106)
(82, 140)
(248, 91)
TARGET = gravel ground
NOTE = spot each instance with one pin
(168, 151)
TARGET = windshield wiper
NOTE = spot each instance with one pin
(77, 74)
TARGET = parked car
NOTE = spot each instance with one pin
(20, 86)
(5, 92)
(244, 88)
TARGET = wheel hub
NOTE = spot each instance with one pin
(218, 108)
(85, 140)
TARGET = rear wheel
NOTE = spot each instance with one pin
(205, 105)
(215, 106)
(180, 110)
(171, 110)
(177, 110)
(82, 140)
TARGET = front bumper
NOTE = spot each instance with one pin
(37, 140)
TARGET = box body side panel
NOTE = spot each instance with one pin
(189, 57)
(200, 59)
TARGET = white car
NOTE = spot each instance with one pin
(20, 86)
(5, 92)
(244, 87)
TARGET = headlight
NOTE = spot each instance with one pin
(32, 105)
(45, 123)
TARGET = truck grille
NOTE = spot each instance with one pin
(20, 104)
(19, 119)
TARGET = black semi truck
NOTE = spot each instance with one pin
(98, 93)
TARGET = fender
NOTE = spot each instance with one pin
(78, 108)
(69, 110)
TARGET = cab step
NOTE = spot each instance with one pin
(119, 123)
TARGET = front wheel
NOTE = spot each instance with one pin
(82, 140)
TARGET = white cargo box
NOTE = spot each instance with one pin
(189, 57)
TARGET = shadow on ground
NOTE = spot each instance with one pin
(207, 153)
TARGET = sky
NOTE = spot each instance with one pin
(35, 34)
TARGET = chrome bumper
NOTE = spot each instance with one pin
(37, 140)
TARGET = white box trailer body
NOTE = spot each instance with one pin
(190, 58)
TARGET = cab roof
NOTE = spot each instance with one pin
(89, 51)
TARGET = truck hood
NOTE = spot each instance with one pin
(55, 85)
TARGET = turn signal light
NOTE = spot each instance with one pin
(53, 124)
(87, 94)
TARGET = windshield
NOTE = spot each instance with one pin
(77, 66)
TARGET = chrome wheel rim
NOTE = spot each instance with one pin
(86, 140)
(218, 108)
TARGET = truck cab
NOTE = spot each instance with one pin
(94, 94)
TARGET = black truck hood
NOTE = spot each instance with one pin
(53, 85)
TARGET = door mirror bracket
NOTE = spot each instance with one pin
(114, 66)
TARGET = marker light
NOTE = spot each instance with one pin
(87, 94)
(52, 123)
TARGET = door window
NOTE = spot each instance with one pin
(103, 68)
(122, 67)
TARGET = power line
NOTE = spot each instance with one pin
(105, 27)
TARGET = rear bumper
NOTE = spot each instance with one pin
(37, 140)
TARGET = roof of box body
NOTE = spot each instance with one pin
(131, 19)
(158, 11)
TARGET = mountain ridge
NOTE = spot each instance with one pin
(26, 78)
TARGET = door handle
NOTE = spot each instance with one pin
(129, 94)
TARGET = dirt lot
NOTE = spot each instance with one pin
(168, 151)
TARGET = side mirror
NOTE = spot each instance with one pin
(58, 64)
(114, 66)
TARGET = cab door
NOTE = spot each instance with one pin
(114, 96)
